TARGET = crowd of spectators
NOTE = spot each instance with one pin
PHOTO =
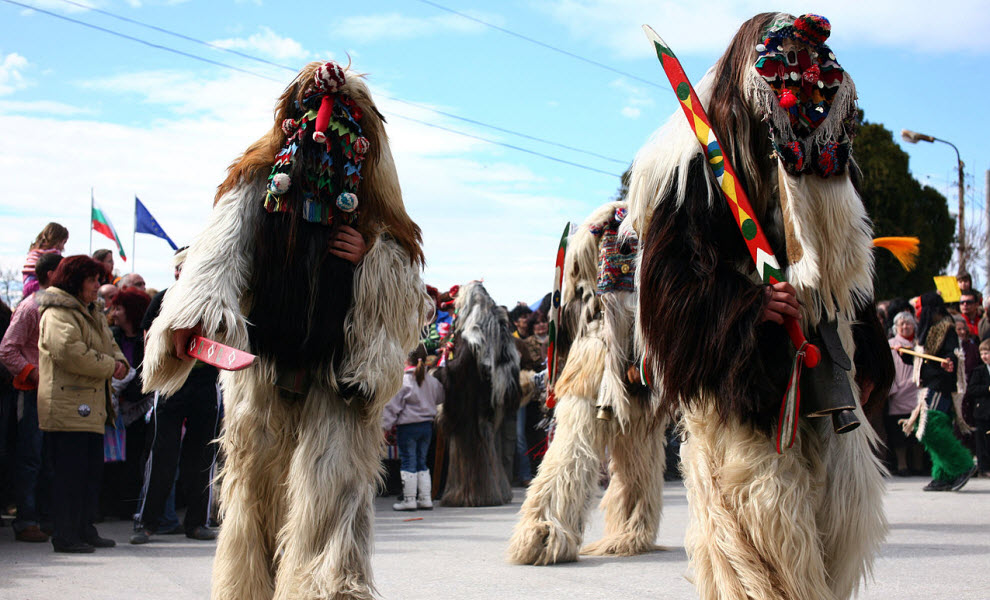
(948, 396)
(79, 440)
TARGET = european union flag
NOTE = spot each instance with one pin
(145, 223)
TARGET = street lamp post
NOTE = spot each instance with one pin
(915, 137)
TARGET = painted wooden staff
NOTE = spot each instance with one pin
(759, 248)
(930, 357)
(756, 241)
(219, 355)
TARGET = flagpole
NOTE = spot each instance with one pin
(134, 237)
(91, 221)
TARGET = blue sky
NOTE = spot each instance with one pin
(81, 108)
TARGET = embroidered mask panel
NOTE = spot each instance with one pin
(800, 84)
(616, 256)
(321, 159)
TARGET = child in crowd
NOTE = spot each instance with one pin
(978, 395)
(51, 239)
(413, 410)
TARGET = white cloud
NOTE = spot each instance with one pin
(637, 98)
(42, 106)
(485, 211)
(916, 25)
(397, 26)
(11, 76)
(267, 42)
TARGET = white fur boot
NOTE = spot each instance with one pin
(424, 488)
(408, 501)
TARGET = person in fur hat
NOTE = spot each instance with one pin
(481, 392)
(310, 260)
(600, 378)
(805, 522)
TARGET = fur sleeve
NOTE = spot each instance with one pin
(209, 291)
(383, 324)
(699, 314)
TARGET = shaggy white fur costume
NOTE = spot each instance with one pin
(805, 524)
(554, 514)
(299, 475)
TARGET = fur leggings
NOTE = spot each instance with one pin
(297, 495)
(803, 525)
(554, 514)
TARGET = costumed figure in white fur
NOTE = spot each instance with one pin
(481, 386)
(806, 523)
(602, 403)
(274, 272)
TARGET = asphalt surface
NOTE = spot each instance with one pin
(938, 548)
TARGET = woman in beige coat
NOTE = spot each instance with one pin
(76, 359)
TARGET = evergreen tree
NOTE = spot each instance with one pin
(900, 206)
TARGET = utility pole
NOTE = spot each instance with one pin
(962, 212)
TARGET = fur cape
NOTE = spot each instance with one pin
(481, 387)
(701, 319)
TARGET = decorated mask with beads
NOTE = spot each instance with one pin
(807, 98)
(322, 155)
(616, 256)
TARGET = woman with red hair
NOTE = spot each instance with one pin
(77, 356)
(122, 481)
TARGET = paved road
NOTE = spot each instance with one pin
(938, 548)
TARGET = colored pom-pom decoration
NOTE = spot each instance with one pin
(347, 202)
(289, 126)
(362, 145)
(329, 77)
(812, 29)
(788, 99)
(620, 214)
(280, 184)
(319, 137)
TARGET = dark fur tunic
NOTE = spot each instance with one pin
(700, 314)
(300, 293)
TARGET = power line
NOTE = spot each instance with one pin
(533, 152)
(138, 40)
(290, 69)
(546, 45)
(248, 72)
(245, 71)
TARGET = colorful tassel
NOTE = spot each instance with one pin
(904, 249)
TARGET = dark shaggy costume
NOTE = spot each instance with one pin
(302, 436)
(481, 387)
(806, 523)
(598, 409)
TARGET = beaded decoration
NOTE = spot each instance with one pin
(616, 256)
(807, 83)
(323, 152)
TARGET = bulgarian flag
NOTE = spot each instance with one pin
(102, 224)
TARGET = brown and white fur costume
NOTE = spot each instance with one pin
(481, 384)
(601, 331)
(805, 524)
(300, 472)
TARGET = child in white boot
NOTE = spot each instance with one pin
(413, 410)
